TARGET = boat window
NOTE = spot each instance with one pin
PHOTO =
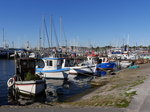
(49, 63)
(40, 63)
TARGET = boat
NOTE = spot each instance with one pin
(81, 70)
(125, 63)
(30, 87)
(25, 80)
(106, 64)
(53, 68)
(86, 67)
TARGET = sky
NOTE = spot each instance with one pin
(85, 22)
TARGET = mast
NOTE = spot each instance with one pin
(43, 33)
(12, 44)
(40, 38)
(57, 42)
(46, 32)
(128, 43)
(3, 39)
(51, 30)
(60, 30)
(62, 33)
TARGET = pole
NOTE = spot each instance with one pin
(51, 31)
(60, 30)
(3, 39)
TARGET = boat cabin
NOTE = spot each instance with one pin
(52, 63)
(92, 59)
(24, 66)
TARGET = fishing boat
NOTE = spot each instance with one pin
(86, 67)
(125, 63)
(81, 70)
(25, 80)
(106, 64)
(53, 68)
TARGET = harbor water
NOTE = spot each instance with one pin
(56, 90)
(7, 70)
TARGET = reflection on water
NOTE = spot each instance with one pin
(56, 91)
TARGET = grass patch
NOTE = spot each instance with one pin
(135, 83)
(122, 103)
(120, 100)
(110, 100)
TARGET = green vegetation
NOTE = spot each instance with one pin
(30, 76)
(137, 83)
(109, 100)
(130, 94)
(121, 101)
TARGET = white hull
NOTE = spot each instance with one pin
(82, 70)
(30, 87)
(55, 75)
(125, 64)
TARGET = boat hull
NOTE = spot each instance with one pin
(82, 70)
(30, 87)
(108, 65)
(125, 64)
(54, 74)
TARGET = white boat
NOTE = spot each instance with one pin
(82, 70)
(30, 87)
(86, 67)
(53, 68)
(125, 64)
(25, 80)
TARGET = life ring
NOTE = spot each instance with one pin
(10, 82)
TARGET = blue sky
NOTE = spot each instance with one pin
(96, 22)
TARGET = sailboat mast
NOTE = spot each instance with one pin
(128, 43)
(43, 33)
(51, 30)
(46, 33)
(60, 30)
(3, 39)
(40, 39)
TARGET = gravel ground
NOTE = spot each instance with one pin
(56, 109)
